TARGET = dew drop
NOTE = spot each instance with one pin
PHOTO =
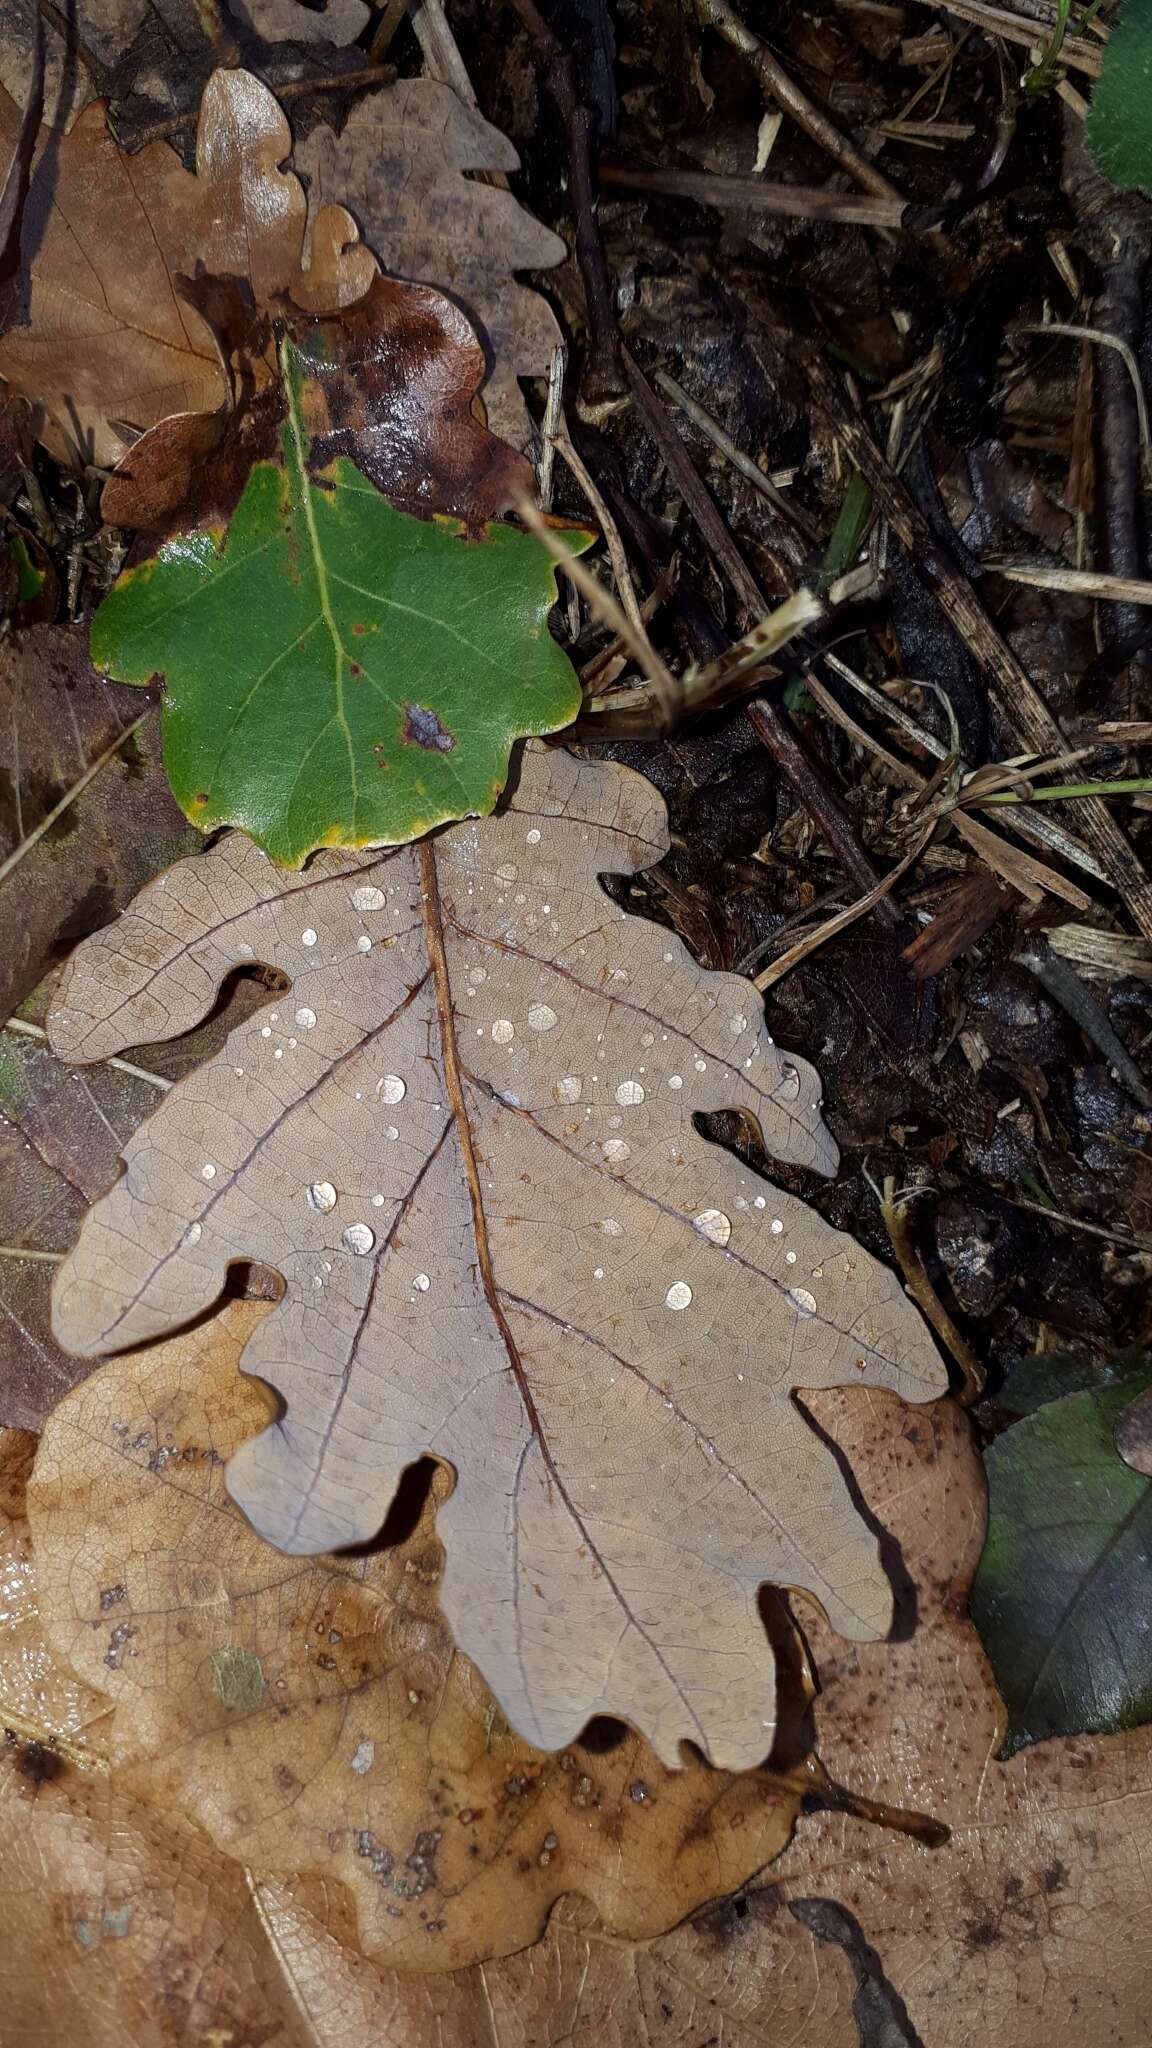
(390, 1131)
(760, 1202)
(701, 1066)
(209, 1171)
(736, 1025)
(648, 1038)
(477, 975)
(367, 897)
(422, 1283)
(789, 1087)
(363, 943)
(533, 837)
(679, 1295)
(193, 1234)
(358, 1239)
(377, 1201)
(391, 1088)
(611, 1228)
(322, 1196)
(265, 1031)
(616, 1150)
(569, 1089)
(308, 938)
(675, 1080)
(805, 1302)
(776, 1226)
(629, 1094)
(714, 1225)
(503, 1031)
(598, 1273)
(508, 873)
(789, 1258)
(541, 1017)
(279, 1053)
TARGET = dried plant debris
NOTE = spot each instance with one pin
(466, 1140)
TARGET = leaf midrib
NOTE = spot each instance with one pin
(453, 1075)
(304, 488)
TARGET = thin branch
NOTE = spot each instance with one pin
(1075, 51)
(25, 1029)
(757, 195)
(604, 377)
(808, 116)
(769, 723)
(1127, 354)
(894, 1210)
(1076, 582)
(665, 686)
(843, 918)
(714, 432)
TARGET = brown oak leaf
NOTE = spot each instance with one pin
(98, 330)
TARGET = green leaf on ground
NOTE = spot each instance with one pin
(337, 672)
(1065, 1571)
(1033, 1379)
(1119, 126)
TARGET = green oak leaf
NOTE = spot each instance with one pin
(1118, 131)
(1061, 1594)
(336, 672)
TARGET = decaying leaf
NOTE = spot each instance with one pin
(338, 672)
(401, 164)
(1065, 1569)
(123, 1924)
(61, 1135)
(60, 1139)
(466, 1141)
(313, 1715)
(1028, 1926)
(284, 21)
(389, 384)
(68, 866)
(100, 332)
(41, 1703)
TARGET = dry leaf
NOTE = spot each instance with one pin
(314, 1717)
(291, 21)
(60, 1139)
(466, 1140)
(68, 866)
(41, 1703)
(61, 1135)
(99, 331)
(401, 164)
